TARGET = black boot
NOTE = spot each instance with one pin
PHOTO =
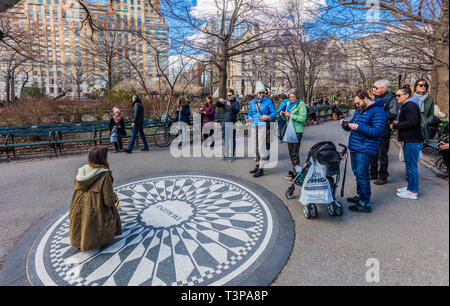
(254, 170)
(353, 200)
(259, 173)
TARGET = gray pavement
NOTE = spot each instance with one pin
(410, 239)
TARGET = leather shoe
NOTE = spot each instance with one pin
(127, 151)
(145, 149)
(254, 170)
(360, 209)
(259, 173)
(380, 182)
(353, 200)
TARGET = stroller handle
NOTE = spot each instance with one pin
(344, 150)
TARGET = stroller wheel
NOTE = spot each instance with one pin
(310, 211)
(331, 209)
(306, 212)
(290, 192)
(339, 209)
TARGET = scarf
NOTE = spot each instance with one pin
(421, 99)
(116, 118)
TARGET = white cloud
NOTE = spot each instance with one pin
(209, 8)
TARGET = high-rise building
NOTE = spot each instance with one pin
(128, 35)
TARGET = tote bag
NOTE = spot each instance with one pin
(290, 136)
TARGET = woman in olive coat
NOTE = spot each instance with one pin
(93, 217)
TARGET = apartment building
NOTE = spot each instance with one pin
(129, 35)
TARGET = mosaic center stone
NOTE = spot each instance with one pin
(167, 214)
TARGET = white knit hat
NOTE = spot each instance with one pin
(260, 87)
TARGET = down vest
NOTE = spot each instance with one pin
(372, 122)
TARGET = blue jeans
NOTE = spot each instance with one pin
(225, 139)
(137, 129)
(411, 152)
(360, 166)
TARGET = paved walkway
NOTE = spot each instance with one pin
(410, 239)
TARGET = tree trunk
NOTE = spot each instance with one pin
(440, 81)
(7, 87)
(439, 69)
(223, 79)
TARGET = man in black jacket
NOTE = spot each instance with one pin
(380, 173)
(137, 124)
(231, 109)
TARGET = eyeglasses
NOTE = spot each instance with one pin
(260, 93)
(374, 87)
(229, 95)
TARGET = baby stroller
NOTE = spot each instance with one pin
(325, 153)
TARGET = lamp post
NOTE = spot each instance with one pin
(400, 75)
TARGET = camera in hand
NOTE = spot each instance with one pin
(345, 123)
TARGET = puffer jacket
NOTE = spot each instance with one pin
(266, 107)
(229, 112)
(371, 124)
(93, 216)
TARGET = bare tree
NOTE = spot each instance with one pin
(415, 34)
(77, 75)
(104, 49)
(216, 34)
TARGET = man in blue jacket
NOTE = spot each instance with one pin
(261, 110)
(366, 128)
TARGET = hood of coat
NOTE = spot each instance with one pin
(87, 176)
(412, 99)
(376, 103)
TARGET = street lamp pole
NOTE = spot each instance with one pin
(400, 75)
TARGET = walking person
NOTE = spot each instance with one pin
(366, 128)
(421, 91)
(207, 113)
(137, 123)
(295, 111)
(118, 124)
(231, 109)
(261, 110)
(184, 115)
(93, 217)
(380, 163)
(410, 133)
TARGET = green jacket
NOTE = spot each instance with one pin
(428, 113)
(298, 113)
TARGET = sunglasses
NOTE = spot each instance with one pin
(229, 95)
(399, 95)
(422, 85)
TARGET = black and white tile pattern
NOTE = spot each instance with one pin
(177, 230)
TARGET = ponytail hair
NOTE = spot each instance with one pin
(406, 90)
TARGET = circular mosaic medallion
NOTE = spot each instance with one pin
(177, 230)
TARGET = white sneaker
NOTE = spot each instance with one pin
(405, 194)
(402, 189)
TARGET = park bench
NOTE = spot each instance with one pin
(56, 136)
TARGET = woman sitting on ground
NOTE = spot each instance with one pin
(93, 217)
